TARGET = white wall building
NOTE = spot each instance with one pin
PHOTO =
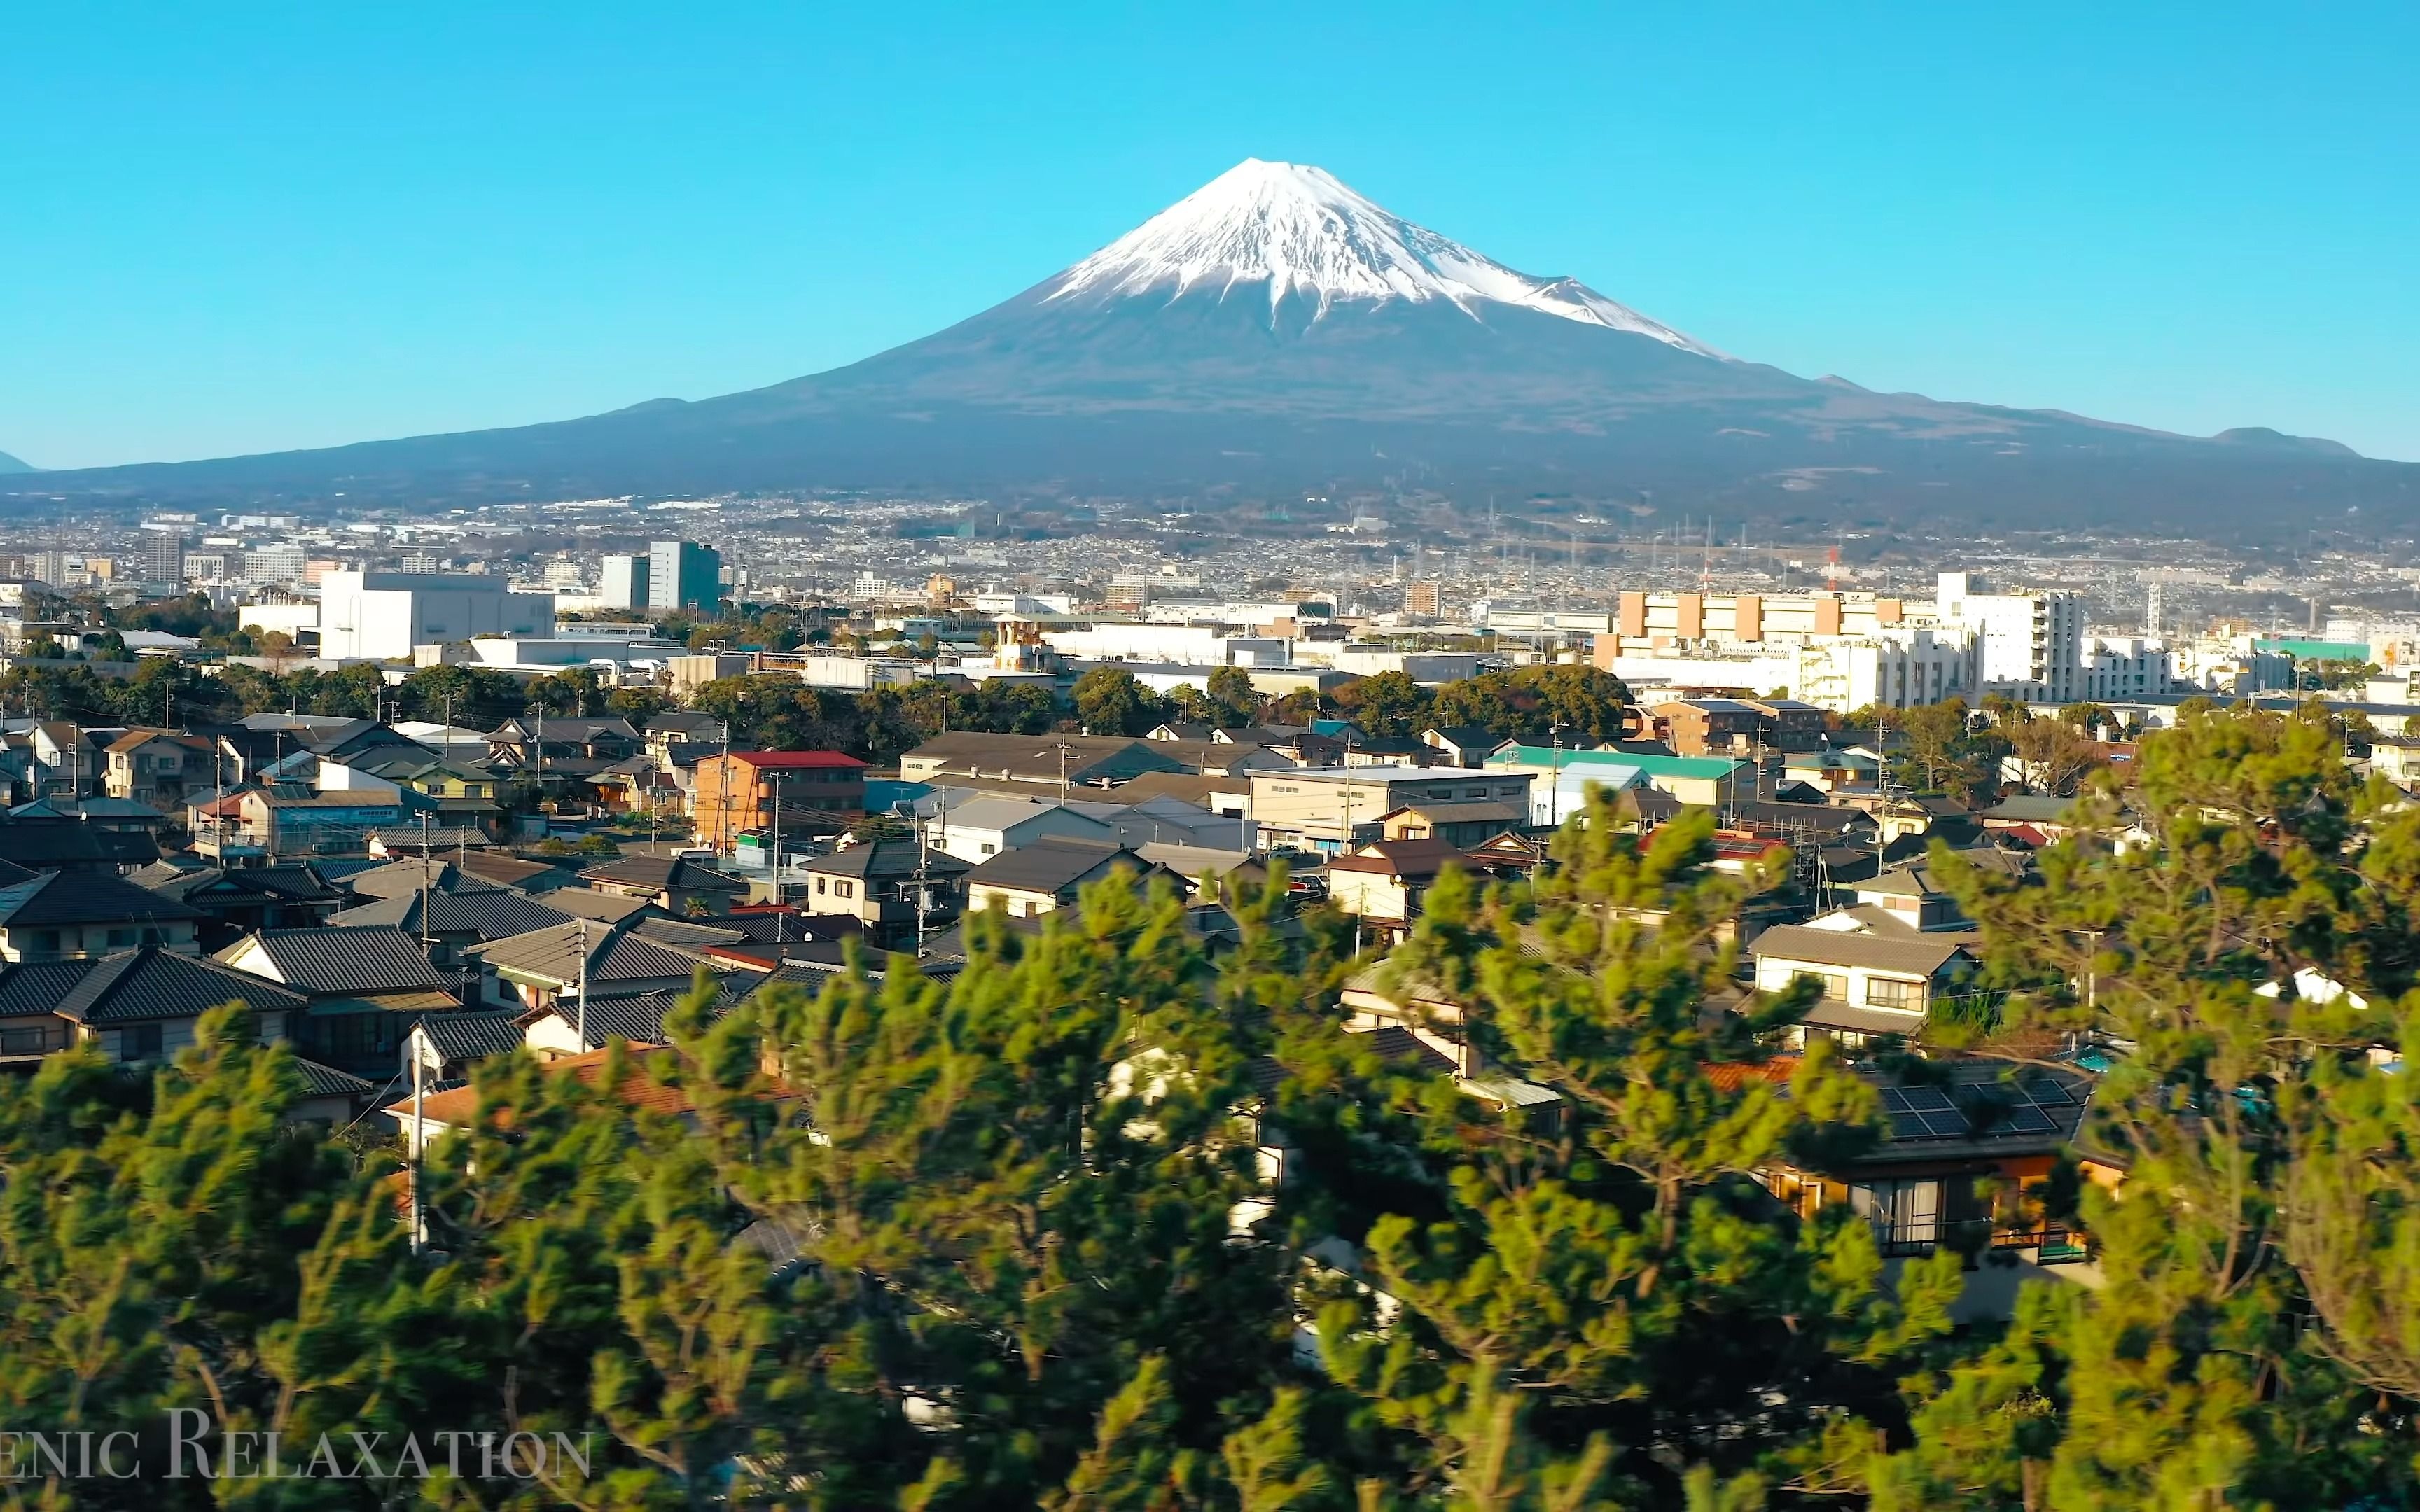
(2032, 643)
(2124, 667)
(381, 616)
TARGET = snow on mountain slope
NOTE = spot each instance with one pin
(1299, 231)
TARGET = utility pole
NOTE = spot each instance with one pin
(777, 889)
(580, 1022)
(424, 942)
(419, 1143)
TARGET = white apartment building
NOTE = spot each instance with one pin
(2032, 643)
(275, 564)
(2128, 667)
(381, 616)
(1844, 650)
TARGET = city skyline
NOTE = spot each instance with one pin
(2078, 214)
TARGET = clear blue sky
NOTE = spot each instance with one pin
(242, 229)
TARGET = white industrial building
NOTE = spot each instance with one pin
(381, 616)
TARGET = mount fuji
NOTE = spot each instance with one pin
(1276, 331)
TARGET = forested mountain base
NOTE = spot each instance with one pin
(1006, 1242)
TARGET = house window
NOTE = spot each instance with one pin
(989, 848)
(845, 889)
(139, 1041)
(121, 937)
(1834, 983)
(1885, 992)
(819, 884)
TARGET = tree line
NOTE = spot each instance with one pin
(1003, 1240)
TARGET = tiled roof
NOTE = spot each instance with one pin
(460, 1106)
(332, 961)
(44, 843)
(883, 858)
(150, 983)
(603, 907)
(36, 986)
(615, 956)
(812, 977)
(475, 1035)
(1394, 1042)
(394, 879)
(1050, 865)
(53, 898)
(657, 872)
(1402, 859)
(794, 761)
(488, 913)
(507, 870)
(638, 1018)
(1844, 947)
(327, 1081)
(286, 884)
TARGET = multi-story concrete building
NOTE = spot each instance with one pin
(163, 559)
(1334, 809)
(1423, 599)
(275, 564)
(683, 575)
(624, 582)
(2032, 643)
(382, 615)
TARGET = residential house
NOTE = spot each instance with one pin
(1170, 822)
(1329, 810)
(1383, 884)
(555, 751)
(450, 923)
(1872, 984)
(813, 792)
(236, 901)
(973, 825)
(893, 887)
(1963, 1163)
(75, 846)
(432, 1116)
(139, 1004)
(367, 987)
(1037, 764)
(67, 760)
(565, 963)
(450, 1046)
(1456, 823)
(1218, 794)
(291, 819)
(1710, 782)
(680, 888)
(55, 915)
(1050, 874)
(1465, 745)
(1832, 768)
(155, 767)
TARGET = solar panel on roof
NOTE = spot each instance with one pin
(1946, 1123)
(2047, 1091)
(1909, 1126)
(1928, 1098)
(2023, 1119)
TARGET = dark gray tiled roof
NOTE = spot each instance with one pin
(1051, 865)
(334, 961)
(132, 986)
(812, 977)
(475, 1035)
(86, 898)
(392, 879)
(489, 914)
(42, 843)
(638, 1018)
(286, 884)
(615, 956)
(657, 872)
(36, 986)
(327, 1081)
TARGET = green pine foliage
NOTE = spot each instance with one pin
(1010, 1240)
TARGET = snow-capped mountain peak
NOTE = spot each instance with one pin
(1298, 230)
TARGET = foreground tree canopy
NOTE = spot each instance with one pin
(1003, 1240)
